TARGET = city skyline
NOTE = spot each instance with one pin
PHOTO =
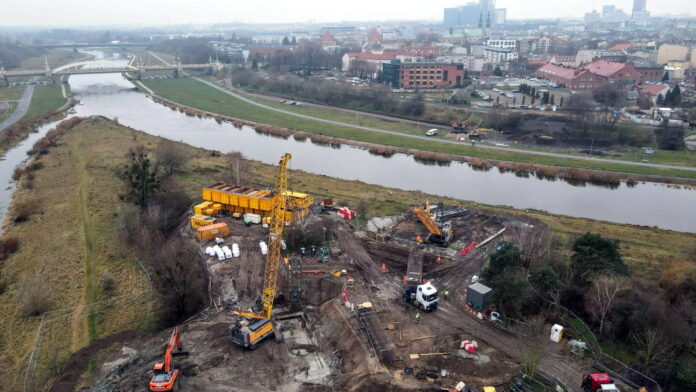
(160, 12)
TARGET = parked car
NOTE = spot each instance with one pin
(431, 132)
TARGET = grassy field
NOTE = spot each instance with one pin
(198, 95)
(11, 93)
(70, 242)
(55, 58)
(683, 157)
(46, 99)
(74, 239)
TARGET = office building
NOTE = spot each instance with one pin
(639, 5)
(481, 14)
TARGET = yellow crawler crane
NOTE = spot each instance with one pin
(439, 232)
(255, 327)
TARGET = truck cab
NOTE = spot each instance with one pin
(423, 296)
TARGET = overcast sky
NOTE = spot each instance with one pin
(97, 13)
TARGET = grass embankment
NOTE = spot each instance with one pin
(192, 93)
(46, 99)
(70, 241)
(55, 58)
(74, 237)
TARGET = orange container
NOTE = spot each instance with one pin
(207, 233)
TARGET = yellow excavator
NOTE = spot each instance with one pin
(439, 232)
(253, 327)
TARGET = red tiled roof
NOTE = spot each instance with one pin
(651, 89)
(620, 47)
(604, 68)
(374, 56)
(327, 36)
(560, 71)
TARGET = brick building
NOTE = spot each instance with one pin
(431, 75)
(570, 77)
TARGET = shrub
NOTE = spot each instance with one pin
(385, 151)
(33, 297)
(8, 247)
(25, 208)
(107, 283)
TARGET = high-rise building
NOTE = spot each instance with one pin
(639, 5)
(471, 14)
(608, 10)
(500, 16)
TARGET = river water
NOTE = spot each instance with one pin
(651, 204)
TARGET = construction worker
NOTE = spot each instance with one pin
(445, 294)
(418, 317)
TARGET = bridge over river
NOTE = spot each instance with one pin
(79, 68)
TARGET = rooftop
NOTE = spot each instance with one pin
(604, 68)
(561, 71)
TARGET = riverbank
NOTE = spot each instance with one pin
(569, 174)
(47, 105)
(77, 195)
(197, 95)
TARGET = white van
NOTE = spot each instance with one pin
(431, 132)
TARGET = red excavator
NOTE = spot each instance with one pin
(166, 378)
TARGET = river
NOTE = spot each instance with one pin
(651, 204)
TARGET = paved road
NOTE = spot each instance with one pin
(425, 138)
(20, 110)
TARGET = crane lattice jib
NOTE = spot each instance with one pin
(424, 216)
(275, 237)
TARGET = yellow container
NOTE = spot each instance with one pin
(217, 207)
(202, 220)
(209, 211)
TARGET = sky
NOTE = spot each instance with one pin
(96, 13)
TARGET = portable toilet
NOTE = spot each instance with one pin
(556, 333)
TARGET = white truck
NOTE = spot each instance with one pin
(421, 295)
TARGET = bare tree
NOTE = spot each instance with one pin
(601, 297)
(362, 208)
(171, 156)
(238, 169)
(654, 348)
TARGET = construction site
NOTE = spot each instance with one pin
(391, 304)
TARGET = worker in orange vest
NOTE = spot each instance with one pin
(419, 239)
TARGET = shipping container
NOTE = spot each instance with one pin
(202, 220)
(208, 233)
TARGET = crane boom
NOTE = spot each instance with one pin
(275, 237)
(424, 216)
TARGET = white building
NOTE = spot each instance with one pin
(496, 56)
(503, 43)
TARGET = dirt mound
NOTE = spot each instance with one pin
(79, 361)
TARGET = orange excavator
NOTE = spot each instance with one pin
(166, 378)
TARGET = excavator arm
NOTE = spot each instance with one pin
(249, 315)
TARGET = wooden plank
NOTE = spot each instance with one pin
(423, 337)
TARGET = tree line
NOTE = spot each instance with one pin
(653, 321)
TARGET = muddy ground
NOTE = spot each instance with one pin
(327, 346)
